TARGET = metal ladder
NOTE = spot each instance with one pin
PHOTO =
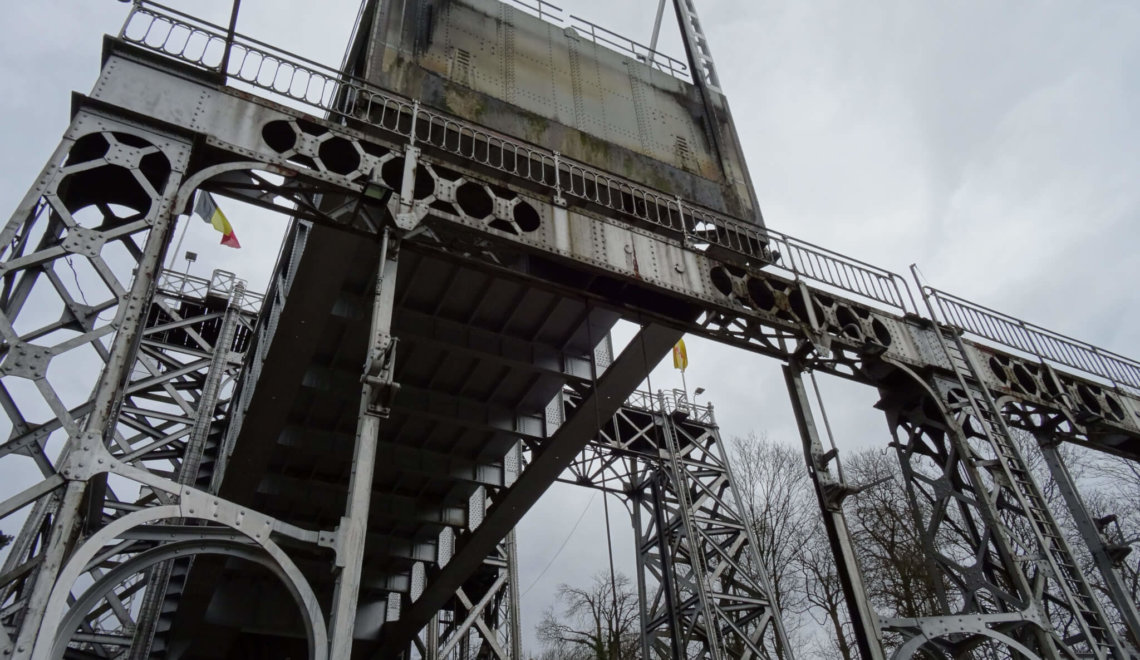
(983, 409)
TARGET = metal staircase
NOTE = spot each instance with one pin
(167, 581)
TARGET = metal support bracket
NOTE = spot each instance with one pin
(410, 214)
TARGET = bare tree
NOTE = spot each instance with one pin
(780, 506)
(889, 544)
(598, 622)
(824, 592)
(1119, 499)
(794, 551)
(1110, 488)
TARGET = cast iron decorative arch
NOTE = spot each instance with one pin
(47, 641)
(226, 547)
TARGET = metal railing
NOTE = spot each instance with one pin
(626, 46)
(607, 38)
(669, 402)
(546, 11)
(268, 69)
(1034, 340)
(840, 273)
(283, 75)
(221, 284)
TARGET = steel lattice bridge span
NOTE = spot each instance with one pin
(211, 473)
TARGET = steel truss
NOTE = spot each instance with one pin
(174, 408)
(120, 433)
(699, 589)
(484, 623)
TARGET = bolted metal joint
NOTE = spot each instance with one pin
(87, 458)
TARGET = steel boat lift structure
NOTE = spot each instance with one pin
(220, 477)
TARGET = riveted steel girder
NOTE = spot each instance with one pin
(158, 126)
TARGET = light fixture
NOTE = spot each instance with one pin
(377, 193)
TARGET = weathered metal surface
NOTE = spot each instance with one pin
(527, 248)
(564, 85)
(699, 594)
(853, 304)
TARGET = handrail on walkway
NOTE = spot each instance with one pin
(1034, 340)
(284, 76)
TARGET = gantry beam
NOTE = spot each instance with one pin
(703, 274)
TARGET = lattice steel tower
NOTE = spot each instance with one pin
(335, 469)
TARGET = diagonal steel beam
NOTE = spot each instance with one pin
(650, 345)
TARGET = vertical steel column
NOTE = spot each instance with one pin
(657, 26)
(132, 306)
(192, 461)
(354, 524)
(722, 130)
(642, 603)
(513, 603)
(63, 531)
(1090, 531)
(863, 617)
(431, 645)
(697, 47)
(704, 72)
(665, 545)
(223, 68)
(32, 534)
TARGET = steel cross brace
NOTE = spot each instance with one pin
(113, 432)
(158, 579)
(120, 355)
(697, 592)
(647, 348)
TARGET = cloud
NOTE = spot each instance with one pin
(993, 143)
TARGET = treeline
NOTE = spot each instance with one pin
(781, 506)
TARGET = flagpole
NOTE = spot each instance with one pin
(178, 246)
(684, 386)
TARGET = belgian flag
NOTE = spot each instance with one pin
(209, 211)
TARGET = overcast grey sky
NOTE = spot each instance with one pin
(995, 144)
